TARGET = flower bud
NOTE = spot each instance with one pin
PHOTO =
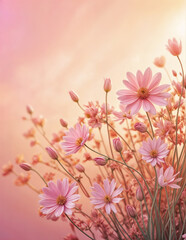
(139, 194)
(29, 109)
(80, 167)
(63, 123)
(174, 73)
(73, 96)
(101, 161)
(174, 47)
(160, 61)
(131, 211)
(141, 127)
(107, 85)
(25, 166)
(118, 146)
(52, 153)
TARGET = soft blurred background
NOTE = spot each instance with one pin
(49, 47)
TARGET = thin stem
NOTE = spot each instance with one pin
(140, 228)
(40, 176)
(121, 226)
(106, 219)
(80, 106)
(106, 95)
(88, 178)
(150, 124)
(66, 170)
(79, 228)
(103, 141)
(170, 229)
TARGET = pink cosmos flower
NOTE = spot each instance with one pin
(121, 116)
(154, 151)
(163, 128)
(167, 178)
(75, 138)
(106, 197)
(59, 198)
(143, 91)
(160, 61)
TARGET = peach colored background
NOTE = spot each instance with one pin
(48, 47)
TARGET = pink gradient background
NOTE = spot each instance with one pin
(48, 47)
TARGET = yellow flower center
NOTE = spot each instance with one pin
(107, 199)
(143, 93)
(61, 200)
(153, 153)
(79, 141)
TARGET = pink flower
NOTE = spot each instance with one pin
(163, 128)
(75, 138)
(121, 116)
(118, 146)
(143, 90)
(154, 151)
(107, 85)
(106, 197)
(167, 178)
(102, 161)
(160, 61)
(59, 198)
(174, 47)
(74, 96)
(140, 126)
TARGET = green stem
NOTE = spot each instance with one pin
(150, 124)
(170, 229)
(79, 228)
(40, 176)
(140, 228)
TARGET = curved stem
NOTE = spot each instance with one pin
(150, 124)
(106, 95)
(40, 176)
(79, 228)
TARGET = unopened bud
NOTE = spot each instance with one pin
(101, 161)
(174, 73)
(107, 85)
(141, 127)
(80, 167)
(63, 123)
(131, 211)
(160, 61)
(139, 194)
(73, 96)
(118, 146)
(25, 166)
(29, 109)
(52, 153)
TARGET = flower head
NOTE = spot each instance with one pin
(58, 198)
(143, 91)
(106, 197)
(154, 151)
(167, 178)
(75, 138)
(122, 115)
(174, 47)
(160, 61)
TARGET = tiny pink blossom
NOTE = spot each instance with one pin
(154, 151)
(174, 47)
(121, 116)
(160, 61)
(143, 90)
(131, 211)
(58, 198)
(106, 197)
(75, 138)
(167, 178)
(29, 109)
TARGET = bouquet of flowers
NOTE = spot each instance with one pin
(129, 164)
